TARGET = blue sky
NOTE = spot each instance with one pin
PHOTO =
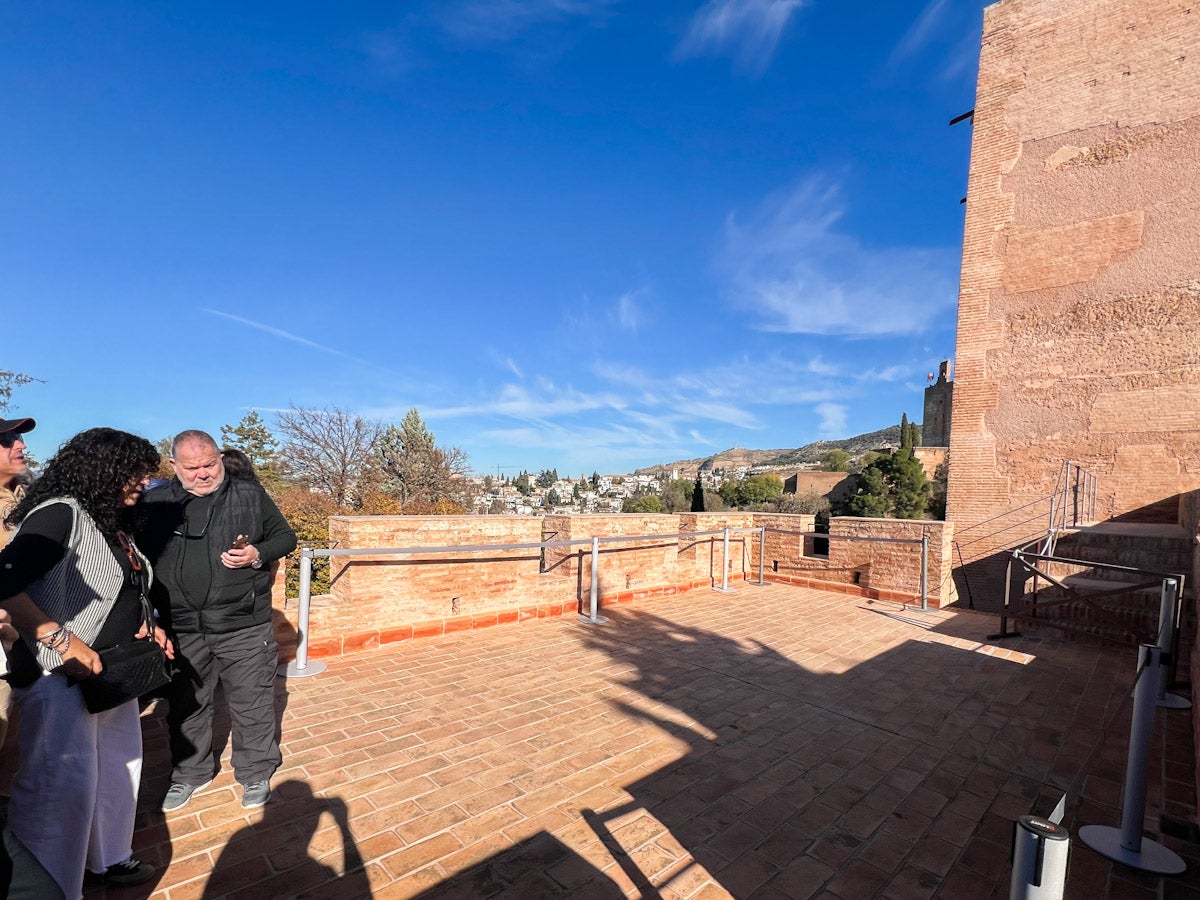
(581, 234)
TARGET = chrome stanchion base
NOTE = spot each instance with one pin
(1153, 857)
(1174, 701)
(291, 670)
(724, 591)
(588, 620)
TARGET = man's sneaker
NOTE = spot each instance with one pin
(178, 794)
(256, 794)
(131, 871)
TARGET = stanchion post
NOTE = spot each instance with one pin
(725, 559)
(724, 588)
(762, 552)
(1039, 863)
(302, 668)
(1127, 845)
(1008, 579)
(594, 600)
(1166, 631)
(924, 572)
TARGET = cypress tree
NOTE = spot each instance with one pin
(698, 496)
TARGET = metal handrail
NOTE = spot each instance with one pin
(1022, 557)
(1076, 489)
(308, 554)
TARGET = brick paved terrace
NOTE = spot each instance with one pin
(777, 742)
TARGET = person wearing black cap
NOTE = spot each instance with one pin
(12, 471)
(12, 468)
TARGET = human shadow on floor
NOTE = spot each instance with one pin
(285, 835)
(813, 765)
(152, 838)
(538, 866)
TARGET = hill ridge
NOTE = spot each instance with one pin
(737, 457)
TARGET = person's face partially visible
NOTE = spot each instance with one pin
(133, 489)
(12, 457)
(198, 466)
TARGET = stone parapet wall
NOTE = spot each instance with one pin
(378, 599)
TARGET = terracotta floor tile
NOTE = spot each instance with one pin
(799, 745)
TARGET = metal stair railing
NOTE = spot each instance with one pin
(1025, 562)
(1072, 504)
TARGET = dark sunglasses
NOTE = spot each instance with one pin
(127, 546)
(8, 438)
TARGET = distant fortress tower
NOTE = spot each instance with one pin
(935, 426)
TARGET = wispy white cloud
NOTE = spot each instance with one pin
(886, 374)
(920, 32)
(505, 362)
(497, 21)
(942, 28)
(285, 335)
(749, 30)
(790, 266)
(615, 444)
(962, 58)
(544, 400)
(833, 420)
(628, 312)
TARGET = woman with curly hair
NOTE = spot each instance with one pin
(71, 576)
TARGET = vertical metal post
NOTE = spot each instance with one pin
(1008, 580)
(1008, 576)
(1166, 613)
(762, 552)
(924, 571)
(725, 560)
(1075, 500)
(1166, 632)
(302, 667)
(1133, 808)
(1039, 865)
(1066, 491)
(594, 602)
(1127, 845)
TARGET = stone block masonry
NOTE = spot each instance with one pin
(1079, 299)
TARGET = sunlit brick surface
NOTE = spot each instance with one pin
(777, 742)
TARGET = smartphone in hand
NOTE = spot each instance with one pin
(239, 542)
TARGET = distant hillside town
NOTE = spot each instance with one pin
(797, 469)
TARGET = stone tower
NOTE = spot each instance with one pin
(1079, 301)
(939, 396)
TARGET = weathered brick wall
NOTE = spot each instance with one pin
(930, 458)
(635, 570)
(700, 557)
(1080, 289)
(376, 599)
(1191, 522)
(894, 569)
(789, 548)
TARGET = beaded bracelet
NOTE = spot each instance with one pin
(58, 640)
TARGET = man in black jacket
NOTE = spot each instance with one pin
(211, 540)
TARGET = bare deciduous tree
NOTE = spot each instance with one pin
(326, 449)
(8, 381)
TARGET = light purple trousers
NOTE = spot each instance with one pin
(75, 794)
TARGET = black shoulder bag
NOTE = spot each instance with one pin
(132, 669)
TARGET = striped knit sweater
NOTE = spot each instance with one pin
(80, 590)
